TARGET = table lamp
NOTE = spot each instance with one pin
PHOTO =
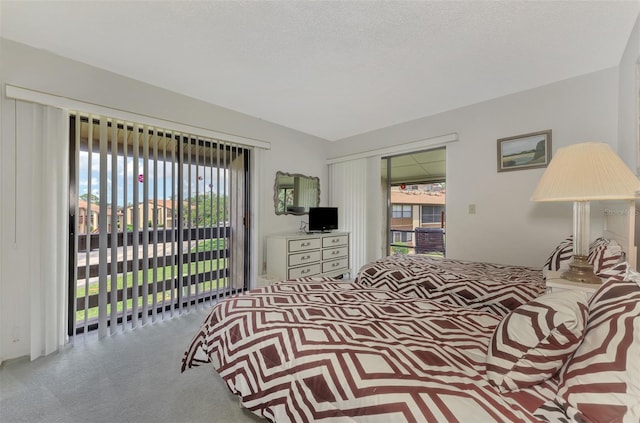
(582, 173)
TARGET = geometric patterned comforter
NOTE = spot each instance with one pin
(334, 351)
(494, 288)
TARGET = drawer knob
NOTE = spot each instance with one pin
(305, 271)
(335, 265)
(306, 244)
(335, 240)
(335, 253)
(305, 258)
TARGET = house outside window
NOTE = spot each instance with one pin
(415, 206)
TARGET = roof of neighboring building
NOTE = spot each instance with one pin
(95, 207)
(417, 197)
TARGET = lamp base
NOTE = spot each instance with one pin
(580, 270)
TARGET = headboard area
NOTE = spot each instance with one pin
(620, 223)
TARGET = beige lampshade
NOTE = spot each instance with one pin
(584, 172)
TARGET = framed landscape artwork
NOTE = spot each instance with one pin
(527, 151)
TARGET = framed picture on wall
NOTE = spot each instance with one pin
(527, 151)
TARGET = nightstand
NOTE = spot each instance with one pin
(555, 283)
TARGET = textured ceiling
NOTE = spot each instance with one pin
(332, 68)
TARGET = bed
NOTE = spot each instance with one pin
(498, 288)
(488, 287)
(335, 351)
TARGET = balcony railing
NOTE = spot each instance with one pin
(410, 247)
(173, 271)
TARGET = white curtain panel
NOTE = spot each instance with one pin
(348, 191)
(41, 219)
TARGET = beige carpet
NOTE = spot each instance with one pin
(130, 377)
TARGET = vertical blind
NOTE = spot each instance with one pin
(349, 192)
(157, 223)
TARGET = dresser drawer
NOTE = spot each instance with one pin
(334, 253)
(332, 241)
(304, 258)
(304, 271)
(299, 255)
(334, 265)
(304, 244)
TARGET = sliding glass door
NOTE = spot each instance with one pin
(157, 223)
(416, 197)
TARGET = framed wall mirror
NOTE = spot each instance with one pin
(294, 193)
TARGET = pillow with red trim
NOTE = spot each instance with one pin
(534, 341)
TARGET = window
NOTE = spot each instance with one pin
(399, 211)
(432, 213)
(402, 236)
(167, 214)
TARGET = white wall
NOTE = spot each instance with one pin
(23, 66)
(508, 227)
(305, 158)
(628, 101)
(629, 111)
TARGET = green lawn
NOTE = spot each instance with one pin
(162, 273)
(400, 249)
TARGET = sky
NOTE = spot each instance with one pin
(200, 181)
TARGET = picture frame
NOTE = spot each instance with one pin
(526, 151)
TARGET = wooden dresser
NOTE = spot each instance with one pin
(298, 255)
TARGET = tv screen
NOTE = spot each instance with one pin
(323, 219)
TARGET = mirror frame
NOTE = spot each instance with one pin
(293, 175)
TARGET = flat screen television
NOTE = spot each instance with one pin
(323, 219)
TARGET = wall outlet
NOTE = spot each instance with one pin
(472, 209)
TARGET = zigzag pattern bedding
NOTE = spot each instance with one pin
(303, 351)
(488, 287)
